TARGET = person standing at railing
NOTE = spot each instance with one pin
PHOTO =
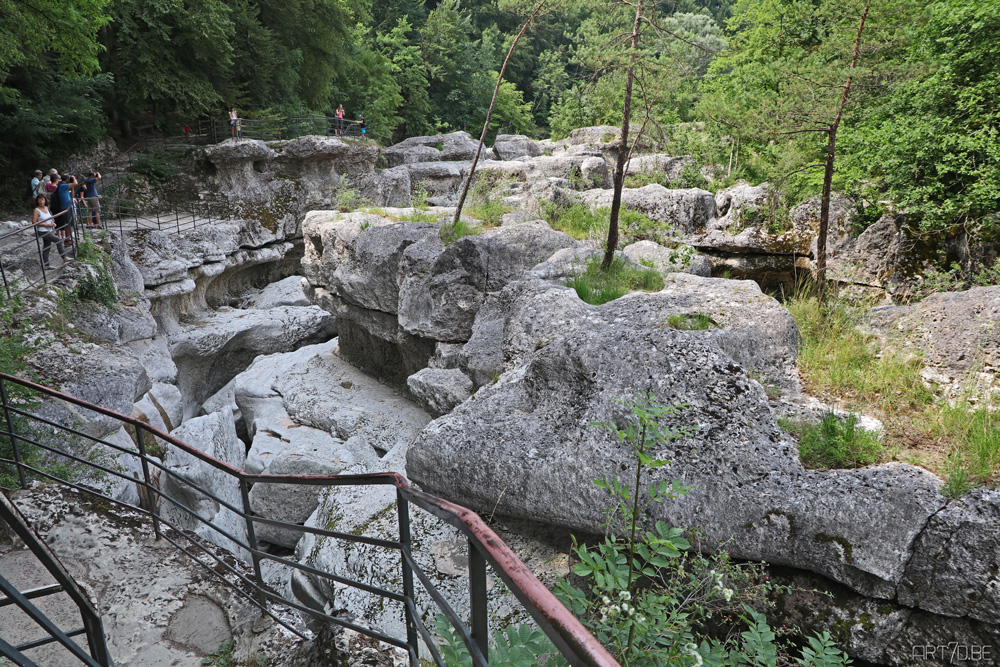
(36, 180)
(45, 228)
(93, 199)
(64, 196)
(80, 204)
(234, 120)
(340, 120)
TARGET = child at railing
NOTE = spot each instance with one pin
(45, 226)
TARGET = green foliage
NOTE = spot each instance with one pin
(453, 231)
(596, 286)
(95, 284)
(578, 220)
(156, 167)
(691, 321)
(835, 357)
(836, 443)
(515, 646)
(647, 597)
(483, 198)
(935, 138)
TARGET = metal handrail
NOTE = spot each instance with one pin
(92, 626)
(485, 547)
(272, 129)
(39, 249)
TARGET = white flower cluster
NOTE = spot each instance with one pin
(726, 592)
(611, 609)
(692, 650)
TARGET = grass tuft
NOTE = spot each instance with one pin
(835, 443)
(691, 321)
(596, 286)
(453, 231)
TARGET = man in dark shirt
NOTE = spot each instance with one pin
(93, 199)
(64, 197)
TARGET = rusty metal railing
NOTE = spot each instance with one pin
(23, 428)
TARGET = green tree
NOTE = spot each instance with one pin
(933, 144)
(788, 78)
(170, 56)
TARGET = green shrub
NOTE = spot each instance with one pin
(836, 443)
(577, 220)
(156, 167)
(453, 231)
(596, 286)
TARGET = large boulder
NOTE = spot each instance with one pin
(211, 350)
(443, 287)
(513, 146)
(953, 571)
(956, 334)
(526, 446)
(682, 259)
(187, 478)
(680, 211)
(751, 326)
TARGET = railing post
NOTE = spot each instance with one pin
(141, 444)
(252, 541)
(403, 509)
(10, 429)
(41, 257)
(3, 274)
(477, 600)
(95, 639)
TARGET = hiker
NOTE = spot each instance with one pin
(64, 197)
(36, 181)
(45, 225)
(234, 120)
(364, 128)
(93, 199)
(340, 120)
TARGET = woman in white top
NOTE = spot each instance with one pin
(233, 120)
(45, 226)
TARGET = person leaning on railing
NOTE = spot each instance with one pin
(44, 223)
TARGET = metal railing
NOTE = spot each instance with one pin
(25, 431)
(23, 260)
(274, 129)
(92, 628)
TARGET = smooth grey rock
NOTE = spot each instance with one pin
(681, 211)
(753, 328)
(369, 275)
(399, 155)
(805, 219)
(664, 167)
(214, 435)
(211, 351)
(682, 259)
(595, 172)
(393, 187)
(512, 146)
(953, 571)
(317, 388)
(526, 447)
(287, 292)
(439, 390)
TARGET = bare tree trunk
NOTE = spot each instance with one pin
(624, 151)
(489, 114)
(831, 152)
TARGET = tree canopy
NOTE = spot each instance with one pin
(738, 84)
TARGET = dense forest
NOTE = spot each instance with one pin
(754, 86)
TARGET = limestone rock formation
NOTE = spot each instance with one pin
(685, 211)
(957, 334)
(682, 259)
(527, 447)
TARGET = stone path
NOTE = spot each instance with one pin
(159, 608)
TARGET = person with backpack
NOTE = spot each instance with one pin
(93, 199)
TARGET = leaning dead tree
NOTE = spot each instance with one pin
(489, 113)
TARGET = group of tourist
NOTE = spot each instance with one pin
(58, 202)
